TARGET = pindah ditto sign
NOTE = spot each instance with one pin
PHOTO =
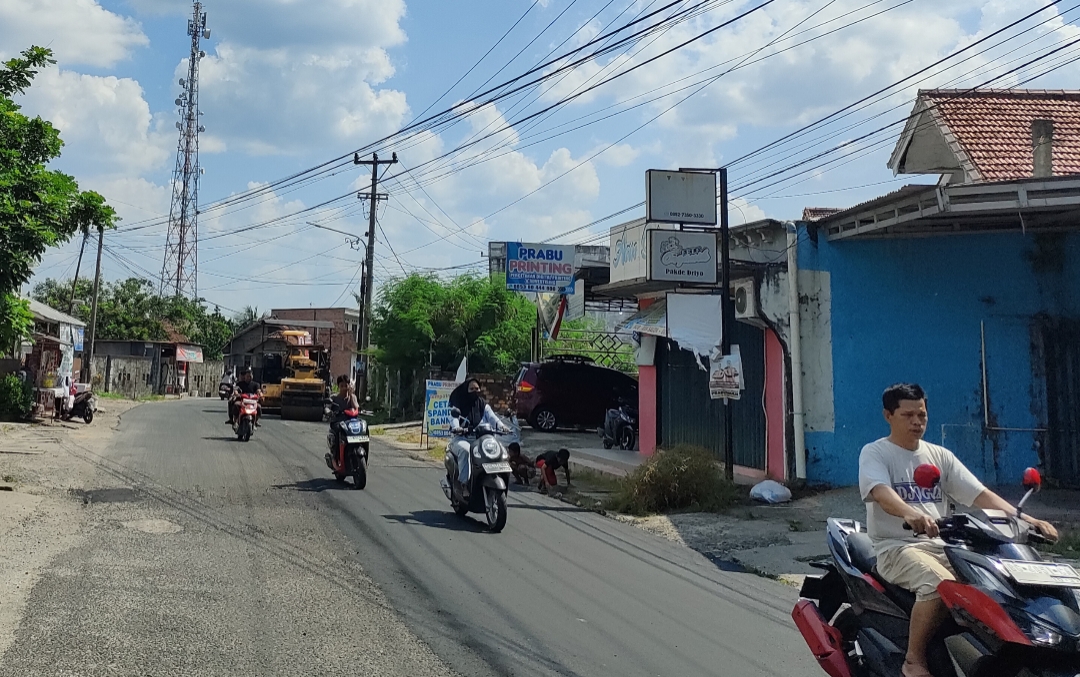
(682, 256)
(540, 268)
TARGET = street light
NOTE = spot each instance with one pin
(354, 241)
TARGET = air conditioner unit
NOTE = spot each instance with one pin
(744, 296)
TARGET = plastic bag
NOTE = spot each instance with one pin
(770, 491)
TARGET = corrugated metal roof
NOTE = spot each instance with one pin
(44, 313)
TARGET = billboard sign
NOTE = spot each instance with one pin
(726, 376)
(678, 256)
(680, 197)
(437, 408)
(540, 268)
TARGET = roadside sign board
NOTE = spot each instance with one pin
(726, 376)
(679, 256)
(680, 197)
(437, 408)
(540, 268)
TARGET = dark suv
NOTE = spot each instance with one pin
(570, 391)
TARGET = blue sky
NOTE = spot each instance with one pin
(288, 85)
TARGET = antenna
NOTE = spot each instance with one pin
(180, 271)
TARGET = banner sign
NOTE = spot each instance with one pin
(189, 354)
(77, 338)
(651, 321)
(680, 197)
(726, 376)
(437, 408)
(540, 267)
(677, 256)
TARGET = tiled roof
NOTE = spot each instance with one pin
(994, 127)
(818, 213)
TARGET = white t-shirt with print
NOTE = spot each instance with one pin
(883, 462)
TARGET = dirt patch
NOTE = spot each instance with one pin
(153, 526)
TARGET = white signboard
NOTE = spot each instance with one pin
(437, 408)
(540, 267)
(678, 256)
(680, 197)
(629, 251)
(726, 376)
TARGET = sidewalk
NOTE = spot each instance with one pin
(587, 452)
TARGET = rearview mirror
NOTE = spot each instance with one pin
(927, 476)
(455, 412)
(1032, 479)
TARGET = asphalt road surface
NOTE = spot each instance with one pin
(212, 557)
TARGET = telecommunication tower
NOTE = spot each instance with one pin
(180, 272)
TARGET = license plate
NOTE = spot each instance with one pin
(356, 439)
(496, 468)
(1042, 573)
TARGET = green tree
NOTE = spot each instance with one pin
(421, 315)
(39, 207)
(131, 310)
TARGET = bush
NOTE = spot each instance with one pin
(682, 478)
(16, 398)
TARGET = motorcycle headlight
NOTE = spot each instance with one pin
(491, 448)
(1042, 634)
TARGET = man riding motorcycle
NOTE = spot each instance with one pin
(245, 386)
(476, 411)
(915, 560)
(345, 398)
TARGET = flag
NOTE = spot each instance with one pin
(462, 370)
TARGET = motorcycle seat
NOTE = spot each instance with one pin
(861, 552)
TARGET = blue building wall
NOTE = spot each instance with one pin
(912, 309)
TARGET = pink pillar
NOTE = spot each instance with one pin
(647, 409)
(776, 459)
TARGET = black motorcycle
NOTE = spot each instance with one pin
(225, 390)
(489, 476)
(1013, 614)
(620, 427)
(84, 407)
(350, 446)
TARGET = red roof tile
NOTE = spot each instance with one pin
(994, 127)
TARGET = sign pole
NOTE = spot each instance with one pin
(728, 313)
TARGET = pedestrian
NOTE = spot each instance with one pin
(521, 465)
(550, 461)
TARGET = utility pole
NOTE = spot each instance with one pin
(88, 369)
(369, 262)
(727, 310)
(78, 266)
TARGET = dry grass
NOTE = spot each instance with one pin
(684, 478)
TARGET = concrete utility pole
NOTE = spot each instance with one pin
(88, 368)
(369, 262)
(78, 267)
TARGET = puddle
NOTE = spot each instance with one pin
(115, 495)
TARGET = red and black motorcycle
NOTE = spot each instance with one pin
(1013, 614)
(349, 445)
(244, 423)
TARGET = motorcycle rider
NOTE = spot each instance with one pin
(915, 560)
(245, 386)
(345, 398)
(475, 411)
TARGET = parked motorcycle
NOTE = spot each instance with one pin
(85, 407)
(1013, 614)
(620, 427)
(244, 423)
(350, 446)
(489, 476)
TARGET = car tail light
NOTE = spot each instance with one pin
(525, 387)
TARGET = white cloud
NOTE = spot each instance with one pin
(80, 32)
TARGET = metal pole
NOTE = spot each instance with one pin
(728, 316)
(89, 368)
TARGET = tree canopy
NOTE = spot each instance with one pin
(131, 310)
(419, 313)
(39, 207)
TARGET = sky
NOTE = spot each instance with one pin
(287, 86)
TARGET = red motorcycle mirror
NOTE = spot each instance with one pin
(1032, 479)
(927, 476)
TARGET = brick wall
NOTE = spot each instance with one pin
(341, 341)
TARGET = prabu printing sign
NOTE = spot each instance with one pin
(540, 268)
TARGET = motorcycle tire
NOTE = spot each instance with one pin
(243, 432)
(627, 439)
(460, 509)
(88, 416)
(608, 443)
(496, 512)
(339, 477)
(359, 477)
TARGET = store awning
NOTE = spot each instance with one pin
(651, 320)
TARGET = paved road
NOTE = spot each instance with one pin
(210, 556)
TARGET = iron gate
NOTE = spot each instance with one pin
(606, 348)
(689, 416)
